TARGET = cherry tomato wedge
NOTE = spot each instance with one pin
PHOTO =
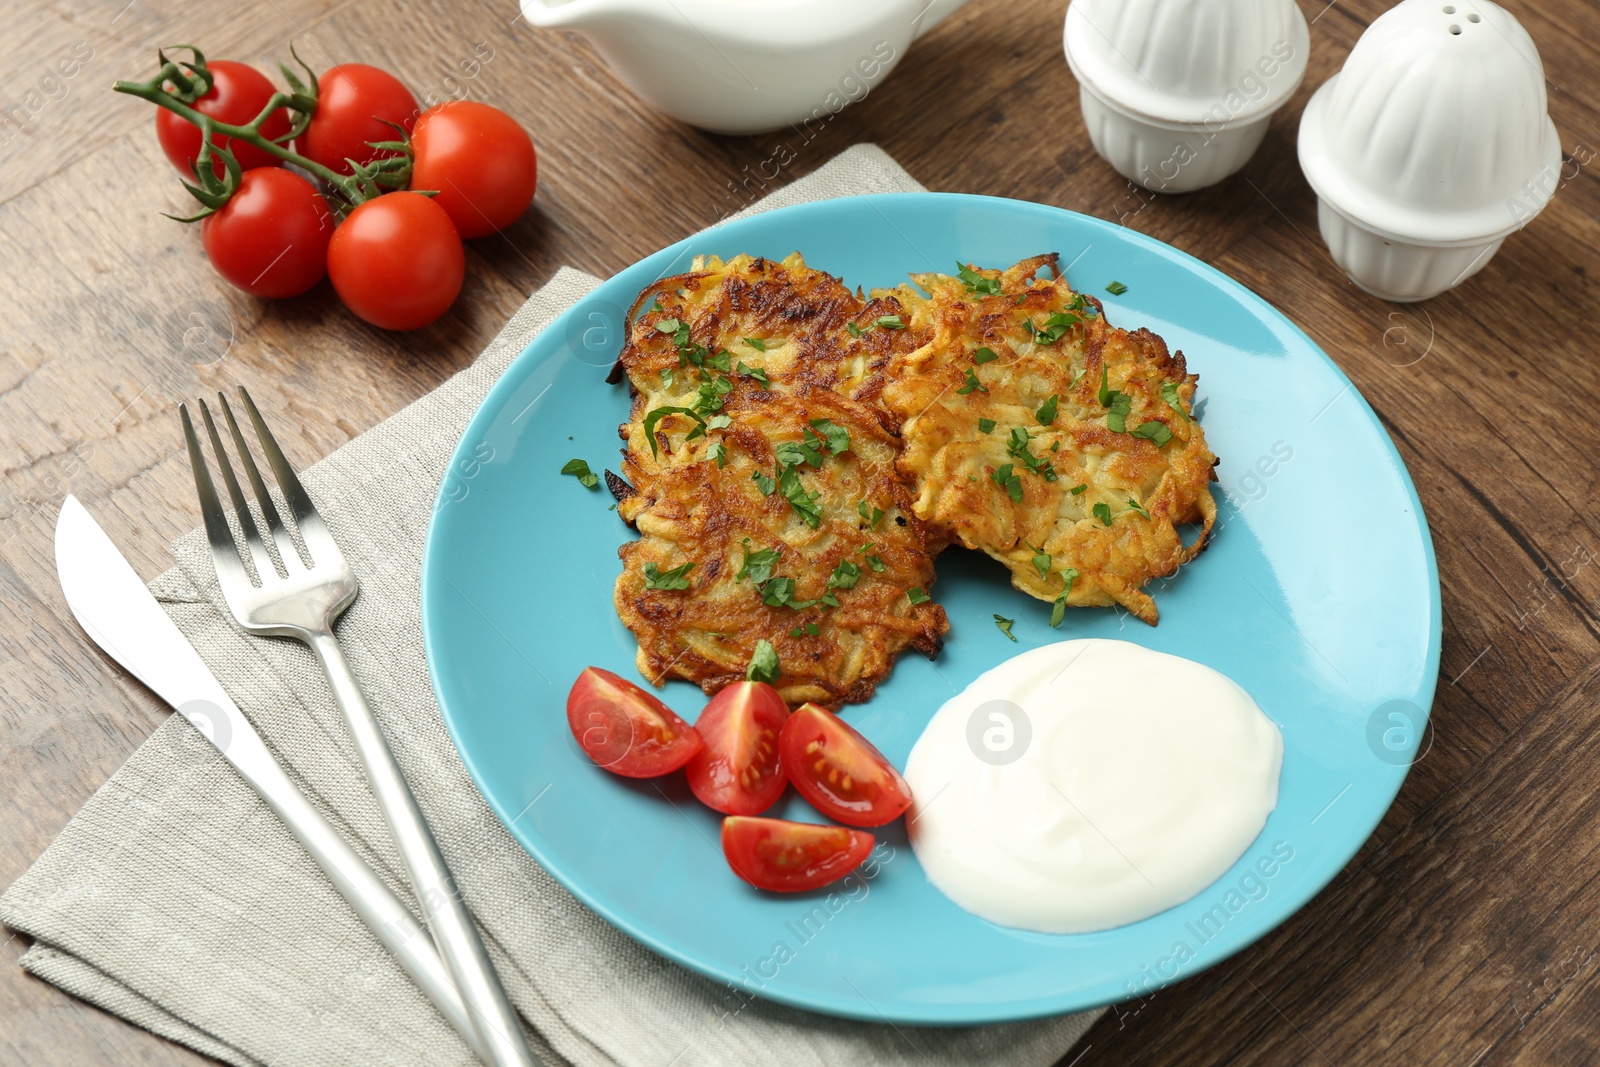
(739, 772)
(397, 261)
(271, 237)
(625, 729)
(839, 771)
(237, 95)
(354, 103)
(791, 857)
(479, 161)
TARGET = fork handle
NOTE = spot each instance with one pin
(457, 938)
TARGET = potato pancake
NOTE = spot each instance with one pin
(764, 484)
(1040, 434)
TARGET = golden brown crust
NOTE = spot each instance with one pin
(691, 509)
(955, 464)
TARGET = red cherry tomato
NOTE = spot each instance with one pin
(353, 103)
(271, 237)
(791, 857)
(480, 162)
(839, 771)
(397, 261)
(236, 97)
(738, 772)
(625, 729)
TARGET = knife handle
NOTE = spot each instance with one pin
(372, 900)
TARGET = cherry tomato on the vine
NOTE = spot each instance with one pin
(397, 261)
(354, 101)
(271, 237)
(237, 95)
(479, 161)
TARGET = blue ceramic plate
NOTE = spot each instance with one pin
(1319, 595)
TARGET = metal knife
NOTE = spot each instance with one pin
(113, 606)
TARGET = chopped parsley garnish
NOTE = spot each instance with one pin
(1078, 489)
(809, 629)
(917, 596)
(677, 328)
(890, 322)
(709, 396)
(1154, 432)
(1058, 610)
(984, 355)
(757, 343)
(720, 361)
(719, 452)
(1102, 511)
(837, 437)
(1041, 561)
(796, 453)
(1134, 505)
(764, 666)
(977, 283)
(855, 331)
(985, 425)
(676, 578)
(779, 593)
(1005, 479)
(804, 504)
(872, 515)
(719, 422)
(581, 470)
(1116, 288)
(666, 376)
(972, 384)
(1169, 393)
(1047, 411)
(1017, 448)
(759, 565)
(653, 418)
(844, 576)
(1055, 325)
(1116, 403)
(1005, 625)
(753, 372)
(865, 551)
(763, 483)
(655, 305)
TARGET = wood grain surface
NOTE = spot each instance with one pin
(1466, 931)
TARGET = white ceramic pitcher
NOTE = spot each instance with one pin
(746, 66)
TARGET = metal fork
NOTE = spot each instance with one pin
(303, 602)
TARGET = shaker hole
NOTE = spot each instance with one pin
(1473, 18)
(1455, 29)
(1449, 9)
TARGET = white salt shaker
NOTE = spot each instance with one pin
(1177, 94)
(1430, 146)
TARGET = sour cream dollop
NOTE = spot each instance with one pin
(1130, 781)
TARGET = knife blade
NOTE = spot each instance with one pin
(120, 615)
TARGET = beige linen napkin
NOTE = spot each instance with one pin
(176, 900)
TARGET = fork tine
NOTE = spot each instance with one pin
(252, 535)
(269, 509)
(224, 550)
(319, 541)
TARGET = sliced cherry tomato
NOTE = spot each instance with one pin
(625, 729)
(791, 857)
(738, 772)
(238, 94)
(839, 771)
(479, 161)
(271, 237)
(353, 103)
(397, 261)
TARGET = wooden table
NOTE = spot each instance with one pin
(1467, 931)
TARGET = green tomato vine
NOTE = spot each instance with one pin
(180, 83)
